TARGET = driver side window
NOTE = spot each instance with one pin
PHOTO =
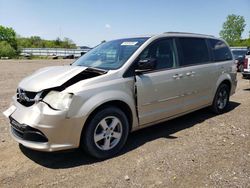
(163, 52)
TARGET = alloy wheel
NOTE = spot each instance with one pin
(222, 99)
(108, 133)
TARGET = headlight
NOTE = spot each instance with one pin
(58, 100)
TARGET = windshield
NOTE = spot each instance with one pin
(110, 55)
(239, 53)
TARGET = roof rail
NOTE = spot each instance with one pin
(172, 32)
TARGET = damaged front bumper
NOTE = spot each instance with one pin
(41, 128)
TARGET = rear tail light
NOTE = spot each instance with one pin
(245, 63)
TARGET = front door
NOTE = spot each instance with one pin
(159, 91)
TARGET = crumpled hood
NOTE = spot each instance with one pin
(49, 77)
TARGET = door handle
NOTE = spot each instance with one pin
(178, 76)
(175, 76)
(222, 69)
(190, 73)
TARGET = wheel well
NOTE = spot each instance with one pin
(118, 104)
(228, 83)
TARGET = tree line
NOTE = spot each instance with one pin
(37, 42)
(11, 43)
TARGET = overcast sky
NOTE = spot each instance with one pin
(88, 22)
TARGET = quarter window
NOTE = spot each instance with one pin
(194, 51)
(220, 50)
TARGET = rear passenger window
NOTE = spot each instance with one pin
(194, 51)
(220, 50)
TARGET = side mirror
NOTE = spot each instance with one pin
(145, 65)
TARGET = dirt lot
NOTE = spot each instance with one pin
(197, 150)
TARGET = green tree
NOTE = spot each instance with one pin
(233, 28)
(6, 50)
(9, 35)
(36, 41)
(23, 42)
(68, 43)
(57, 42)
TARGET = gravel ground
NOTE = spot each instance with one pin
(196, 150)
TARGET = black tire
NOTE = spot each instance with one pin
(88, 136)
(217, 106)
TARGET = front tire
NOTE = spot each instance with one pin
(221, 99)
(106, 133)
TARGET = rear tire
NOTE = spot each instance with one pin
(106, 133)
(221, 99)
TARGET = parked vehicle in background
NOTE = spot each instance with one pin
(71, 56)
(121, 86)
(26, 55)
(239, 55)
(246, 71)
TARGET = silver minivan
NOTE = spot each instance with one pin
(118, 87)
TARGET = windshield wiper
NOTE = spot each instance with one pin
(96, 70)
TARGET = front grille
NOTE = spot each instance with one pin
(26, 98)
(26, 132)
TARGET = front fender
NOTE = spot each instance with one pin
(101, 98)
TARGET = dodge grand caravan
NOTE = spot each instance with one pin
(118, 87)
